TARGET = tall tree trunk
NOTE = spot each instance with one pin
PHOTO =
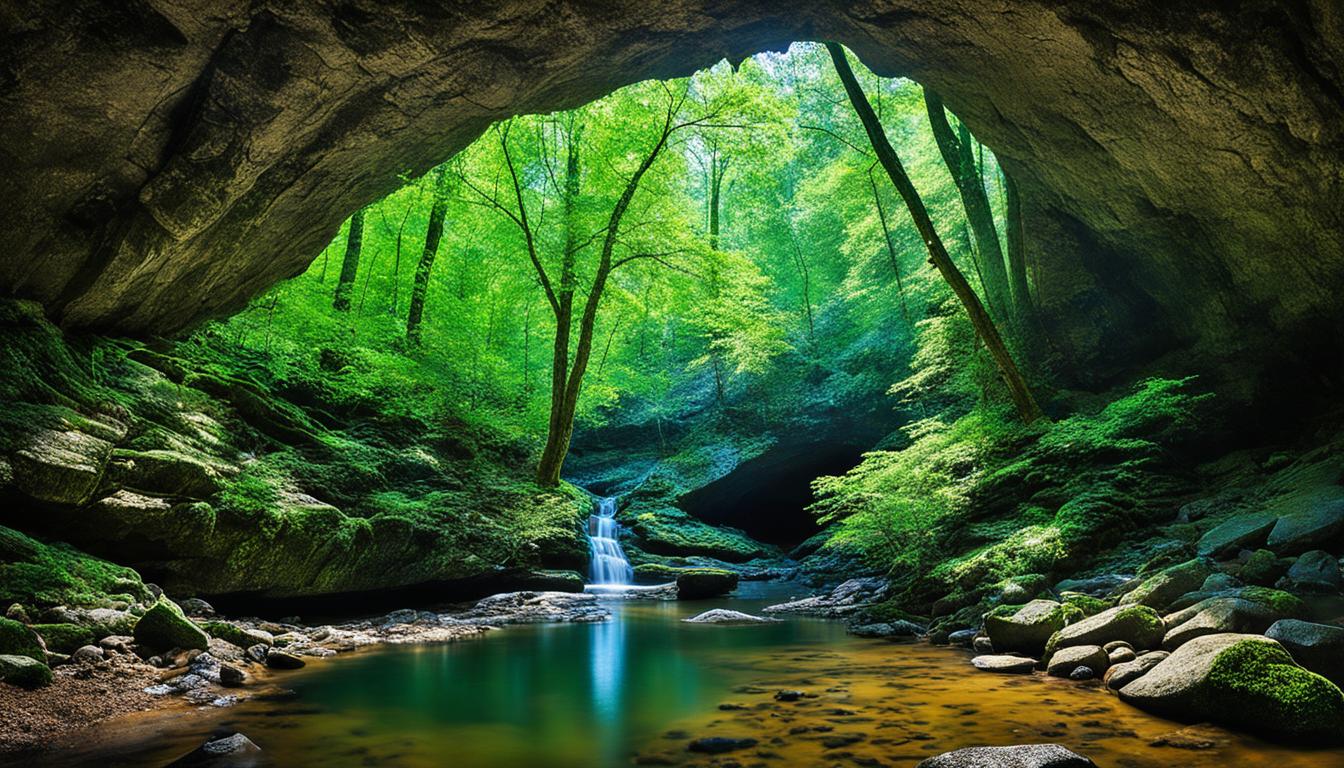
(1017, 257)
(354, 242)
(959, 156)
(1026, 404)
(437, 213)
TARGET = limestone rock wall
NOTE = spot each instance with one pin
(165, 160)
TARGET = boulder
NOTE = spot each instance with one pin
(962, 637)
(1120, 675)
(1315, 571)
(845, 599)
(195, 606)
(1028, 628)
(1318, 647)
(887, 629)
(723, 616)
(164, 627)
(170, 473)
(63, 638)
(23, 671)
(1024, 756)
(1137, 625)
(1003, 663)
(1320, 524)
(1120, 655)
(1094, 586)
(243, 637)
(1262, 567)
(1244, 681)
(656, 573)
(89, 654)
(60, 467)
(982, 644)
(233, 751)
(278, 659)
(1219, 615)
(701, 583)
(1157, 591)
(534, 608)
(18, 640)
(1065, 660)
(1082, 673)
(1240, 532)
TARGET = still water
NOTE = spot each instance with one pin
(645, 684)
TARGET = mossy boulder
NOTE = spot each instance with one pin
(656, 573)
(1318, 647)
(35, 574)
(170, 472)
(64, 638)
(1026, 629)
(666, 530)
(701, 583)
(19, 640)
(1064, 661)
(60, 466)
(1090, 606)
(1244, 681)
(1138, 625)
(23, 671)
(1239, 532)
(1159, 590)
(164, 627)
(240, 636)
(1320, 524)
(1262, 568)
(1249, 611)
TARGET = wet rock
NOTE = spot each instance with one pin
(1318, 647)
(982, 644)
(1244, 681)
(1320, 524)
(23, 671)
(788, 695)
(163, 626)
(1120, 655)
(1095, 586)
(717, 745)
(194, 606)
(1315, 571)
(889, 630)
(1127, 672)
(1196, 737)
(231, 676)
(60, 466)
(1065, 660)
(1006, 664)
(702, 583)
(1024, 756)
(534, 608)
(845, 599)
(243, 637)
(1158, 590)
(1240, 532)
(1027, 629)
(1137, 625)
(258, 652)
(278, 659)
(1219, 615)
(962, 637)
(234, 751)
(1082, 673)
(723, 616)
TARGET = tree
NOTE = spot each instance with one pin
(354, 242)
(957, 150)
(438, 212)
(1017, 257)
(1021, 395)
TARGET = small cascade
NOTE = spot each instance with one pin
(609, 568)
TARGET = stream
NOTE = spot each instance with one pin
(645, 684)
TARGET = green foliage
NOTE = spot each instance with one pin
(64, 638)
(33, 573)
(18, 640)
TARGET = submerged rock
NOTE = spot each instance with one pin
(890, 630)
(724, 616)
(1245, 681)
(1024, 756)
(717, 745)
(234, 751)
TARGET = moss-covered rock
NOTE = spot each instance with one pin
(1244, 681)
(701, 583)
(1318, 523)
(1026, 629)
(35, 574)
(64, 638)
(242, 637)
(1262, 568)
(1159, 590)
(60, 466)
(1090, 606)
(656, 573)
(666, 530)
(24, 671)
(170, 472)
(1238, 532)
(1138, 625)
(164, 627)
(18, 640)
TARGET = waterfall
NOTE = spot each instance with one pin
(609, 564)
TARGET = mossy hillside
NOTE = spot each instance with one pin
(1258, 686)
(64, 638)
(979, 499)
(35, 574)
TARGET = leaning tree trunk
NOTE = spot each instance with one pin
(1026, 404)
(437, 213)
(354, 242)
(960, 160)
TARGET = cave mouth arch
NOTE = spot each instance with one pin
(233, 144)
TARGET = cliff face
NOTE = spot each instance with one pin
(166, 160)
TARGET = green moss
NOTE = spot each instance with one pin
(700, 583)
(1257, 686)
(1262, 568)
(656, 573)
(64, 638)
(36, 574)
(18, 640)
(1087, 605)
(1279, 601)
(666, 530)
(164, 627)
(24, 671)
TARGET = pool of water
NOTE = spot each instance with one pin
(645, 684)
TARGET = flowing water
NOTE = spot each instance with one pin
(645, 684)
(609, 568)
